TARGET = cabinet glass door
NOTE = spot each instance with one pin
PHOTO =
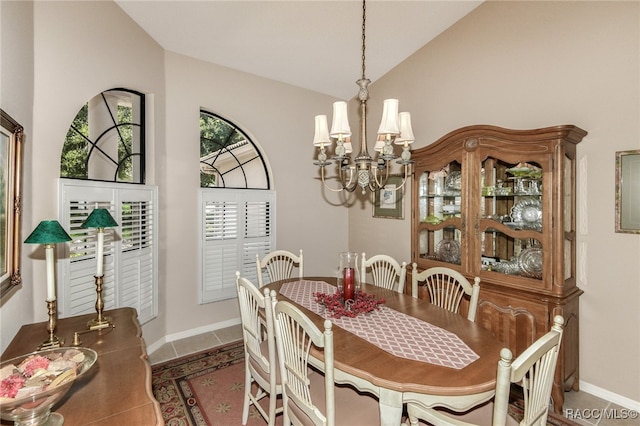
(440, 210)
(511, 218)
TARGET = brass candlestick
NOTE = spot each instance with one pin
(100, 321)
(53, 341)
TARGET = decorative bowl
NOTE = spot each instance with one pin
(32, 405)
(530, 261)
(432, 219)
(527, 214)
(453, 181)
(523, 170)
(448, 251)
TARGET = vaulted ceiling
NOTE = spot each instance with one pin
(309, 44)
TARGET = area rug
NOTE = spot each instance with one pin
(207, 388)
(203, 389)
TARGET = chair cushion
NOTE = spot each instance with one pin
(352, 407)
(264, 349)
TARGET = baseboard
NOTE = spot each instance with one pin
(190, 333)
(610, 396)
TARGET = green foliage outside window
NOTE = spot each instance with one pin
(73, 163)
(78, 144)
(215, 135)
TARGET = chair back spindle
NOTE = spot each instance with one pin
(386, 272)
(446, 288)
(278, 265)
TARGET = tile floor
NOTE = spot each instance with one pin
(584, 408)
(194, 344)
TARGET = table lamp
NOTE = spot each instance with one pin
(99, 219)
(50, 232)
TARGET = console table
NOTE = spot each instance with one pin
(117, 389)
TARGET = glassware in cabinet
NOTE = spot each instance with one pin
(511, 218)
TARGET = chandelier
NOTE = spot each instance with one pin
(364, 171)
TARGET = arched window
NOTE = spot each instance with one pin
(237, 212)
(106, 139)
(103, 156)
(228, 157)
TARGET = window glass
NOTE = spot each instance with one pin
(106, 139)
(228, 157)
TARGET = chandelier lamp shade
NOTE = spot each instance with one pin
(364, 171)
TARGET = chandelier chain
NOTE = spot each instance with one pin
(364, 172)
(364, 19)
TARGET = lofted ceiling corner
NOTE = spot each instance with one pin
(310, 44)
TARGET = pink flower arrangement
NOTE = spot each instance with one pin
(362, 303)
(10, 386)
(37, 373)
(33, 364)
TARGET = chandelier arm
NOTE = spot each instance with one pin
(407, 174)
(351, 184)
(373, 187)
(382, 183)
(342, 184)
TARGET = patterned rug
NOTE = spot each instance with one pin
(207, 388)
(203, 389)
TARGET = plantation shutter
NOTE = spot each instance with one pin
(130, 252)
(236, 225)
(137, 274)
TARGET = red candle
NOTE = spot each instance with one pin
(348, 284)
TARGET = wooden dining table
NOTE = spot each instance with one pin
(397, 379)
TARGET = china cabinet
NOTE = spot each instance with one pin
(500, 204)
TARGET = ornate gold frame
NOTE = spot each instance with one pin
(11, 144)
(627, 194)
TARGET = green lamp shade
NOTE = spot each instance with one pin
(48, 232)
(99, 218)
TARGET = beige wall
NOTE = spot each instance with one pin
(16, 98)
(279, 118)
(536, 64)
(76, 55)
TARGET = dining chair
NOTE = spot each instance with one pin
(261, 365)
(313, 398)
(386, 272)
(446, 288)
(533, 370)
(279, 265)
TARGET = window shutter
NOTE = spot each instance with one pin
(130, 267)
(236, 225)
(137, 274)
(77, 289)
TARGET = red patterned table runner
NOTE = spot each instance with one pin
(392, 331)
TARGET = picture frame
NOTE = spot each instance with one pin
(388, 201)
(11, 145)
(628, 191)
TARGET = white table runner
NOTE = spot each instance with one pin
(392, 331)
